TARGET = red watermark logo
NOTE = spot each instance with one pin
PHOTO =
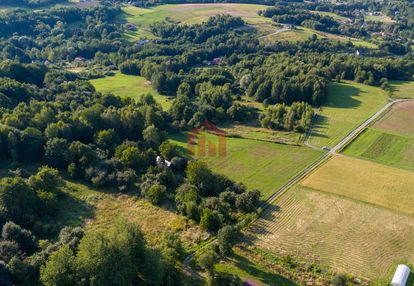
(201, 145)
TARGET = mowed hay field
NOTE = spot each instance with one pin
(390, 141)
(365, 181)
(352, 215)
(192, 14)
(347, 105)
(259, 165)
(129, 86)
(339, 233)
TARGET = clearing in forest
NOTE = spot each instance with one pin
(129, 86)
(389, 141)
(348, 104)
(351, 215)
(379, 18)
(261, 165)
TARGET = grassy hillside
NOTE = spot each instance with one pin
(129, 86)
(191, 14)
(347, 105)
(198, 13)
(259, 165)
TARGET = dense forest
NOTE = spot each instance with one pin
(54, 119)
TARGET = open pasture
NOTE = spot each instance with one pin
(129, 86)
(192, 14)
(336, 232)
(390, 141)
(347, 105)
(198, 13)
(259, 165)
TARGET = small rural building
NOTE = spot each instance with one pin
(217, 61)
(162, 163)
(142, 42)
(131, 27)
(401, 275)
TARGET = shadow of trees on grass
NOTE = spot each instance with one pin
(265, 277)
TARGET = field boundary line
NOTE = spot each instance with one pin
(305, 172)
(358, 130)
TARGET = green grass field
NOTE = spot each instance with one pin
(390, 141)
(251, 272)
(198, 13)
(379, 18)
(303, 34)
(402, 89)
(129, 86)
(190, 14)
(330, 14)
(347, 105)
(365, 181)
(383, 147)
(259, 165)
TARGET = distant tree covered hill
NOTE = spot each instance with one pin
(30, 3)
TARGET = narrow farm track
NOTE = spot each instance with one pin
(305, 172)
(283, 29)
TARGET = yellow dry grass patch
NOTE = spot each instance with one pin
(365, 181)
(336, 232)
(154, 221)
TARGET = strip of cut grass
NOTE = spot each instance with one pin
(382, 147)
(390, 141)
(365, 181)
(129, 86)
(347, 105)
(259, 165)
